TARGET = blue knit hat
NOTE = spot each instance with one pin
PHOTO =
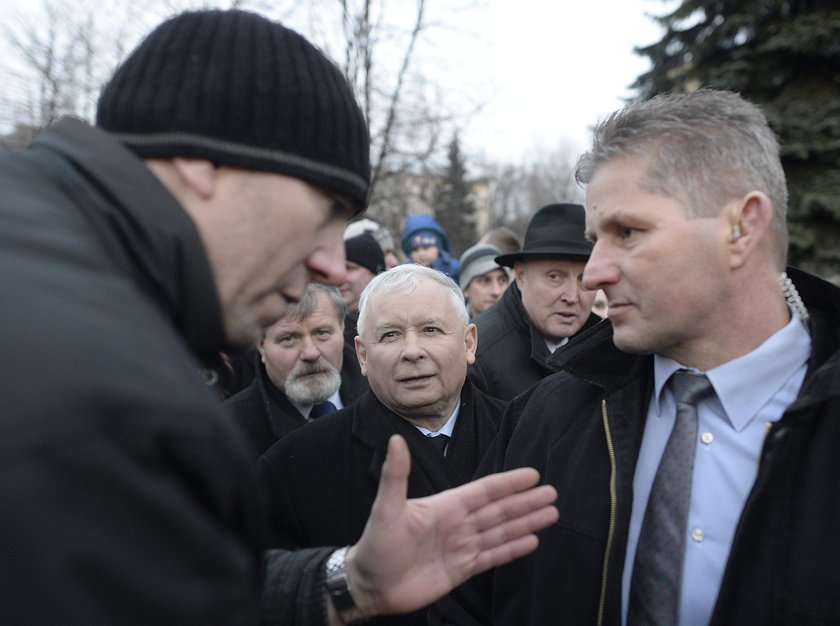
(425, 238)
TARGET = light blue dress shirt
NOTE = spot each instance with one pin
(750, 392)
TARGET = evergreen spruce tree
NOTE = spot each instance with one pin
(783, 55)
(453, 202)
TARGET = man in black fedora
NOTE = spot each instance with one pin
(544, 307)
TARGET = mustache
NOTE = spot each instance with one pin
(307, 369)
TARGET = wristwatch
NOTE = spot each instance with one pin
(338, 588)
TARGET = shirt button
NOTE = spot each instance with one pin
(707, 438)
(698, 535)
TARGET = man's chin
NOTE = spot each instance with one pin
(242, 337)
(564, 332)
(310, 388)
(632, 344)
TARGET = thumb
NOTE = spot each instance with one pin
(393, 483)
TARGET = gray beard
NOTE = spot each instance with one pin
(304, 390)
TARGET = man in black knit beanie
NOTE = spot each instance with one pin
(227, 156)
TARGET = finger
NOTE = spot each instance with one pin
(511, 540)
(393, 483)
(502, 554)
(478, 493)
(514, 507)
(512, 529)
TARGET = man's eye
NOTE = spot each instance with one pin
(626, 231)
(341, 208)
(431, 330)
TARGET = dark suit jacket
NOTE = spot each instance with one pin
(266, 414)
(323, 478)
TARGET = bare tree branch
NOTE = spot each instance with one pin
(395, 96)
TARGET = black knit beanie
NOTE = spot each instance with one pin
(365, 251)
(237, 89)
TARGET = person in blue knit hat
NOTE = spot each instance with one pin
(426, 243)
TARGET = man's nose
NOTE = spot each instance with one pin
(327, 264)
(412, 348)
(599, 270)
(309, 351)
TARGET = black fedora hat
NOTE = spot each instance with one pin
(555, 230)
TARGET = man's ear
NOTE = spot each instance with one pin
(198, 175)
(471, 339)
(748, 226)
(361, 354)
(518, 273)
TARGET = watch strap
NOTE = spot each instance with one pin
(339, 589)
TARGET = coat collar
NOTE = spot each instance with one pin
(373, 424)
(512, 303)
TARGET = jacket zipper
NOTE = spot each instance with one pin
(613, 513)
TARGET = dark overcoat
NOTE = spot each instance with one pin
(323, 477)
(127, 495)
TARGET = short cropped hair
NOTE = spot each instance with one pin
(406, 278)
(704, 148)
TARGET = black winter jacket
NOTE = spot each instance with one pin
(784, 566)
(323, 477)
(511, 354)
(127, 494)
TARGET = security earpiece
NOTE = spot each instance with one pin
(736, 233)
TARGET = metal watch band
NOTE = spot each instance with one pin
(338, 588)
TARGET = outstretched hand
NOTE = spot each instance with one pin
(412, 552)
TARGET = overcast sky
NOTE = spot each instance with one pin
(551, 68)
(544, 71)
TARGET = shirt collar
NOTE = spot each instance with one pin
(447, 429)
(744, 385)
(553, 345)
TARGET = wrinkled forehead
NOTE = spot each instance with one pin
(544, 264)
(428, 299)
(618, 180)
(291, 323)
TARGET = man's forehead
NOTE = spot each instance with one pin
(550, 262)
(289, 324)
(401, 307)
(324, 305)
(407, 319)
